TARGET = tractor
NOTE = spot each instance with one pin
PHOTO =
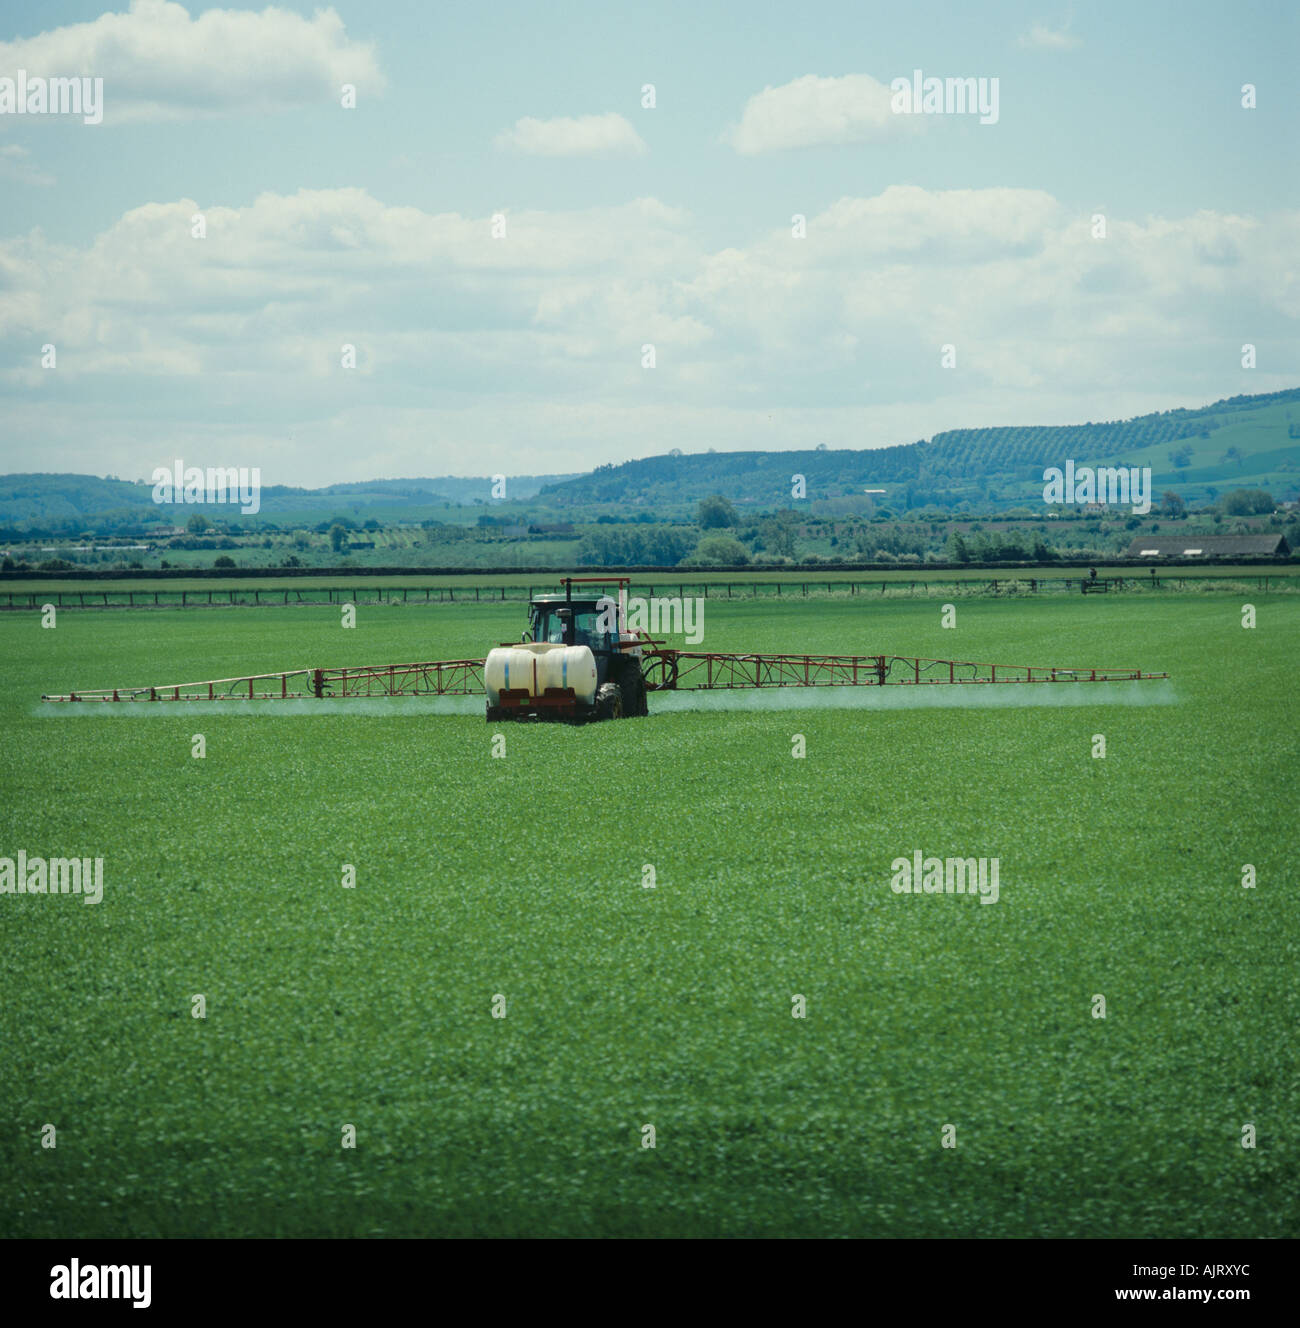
(577, 661)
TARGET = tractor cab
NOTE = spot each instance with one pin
(590, 622)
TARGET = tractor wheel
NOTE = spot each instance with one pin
(609, 702)
(634, 704)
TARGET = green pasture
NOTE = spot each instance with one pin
(625, 1006)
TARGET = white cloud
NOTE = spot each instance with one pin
(811, 111)
(605, 135)
(15, 166)
(160, 63)
(479, 355)
(1042, 38)
(276, 286)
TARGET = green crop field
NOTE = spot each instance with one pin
(523, 876)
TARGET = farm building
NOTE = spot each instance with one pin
(1209, 546)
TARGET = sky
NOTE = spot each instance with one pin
(556, 237)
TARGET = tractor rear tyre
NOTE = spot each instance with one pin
(609, 702)
(633, 689)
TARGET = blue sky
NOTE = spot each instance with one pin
(627, 227)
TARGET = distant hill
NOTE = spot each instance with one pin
(1244, 441)
(457, 488)
(53, 501)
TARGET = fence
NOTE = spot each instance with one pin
(317, 595)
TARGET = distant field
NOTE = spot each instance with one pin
(669, 1006)
(669, 578)
(1269, 455)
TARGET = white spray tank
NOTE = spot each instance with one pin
(537, 665)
